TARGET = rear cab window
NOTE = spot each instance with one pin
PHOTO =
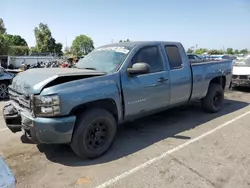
(174, 57)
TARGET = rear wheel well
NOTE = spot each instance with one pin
(107, 104)
(221, 80)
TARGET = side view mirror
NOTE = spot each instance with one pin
(139, 68)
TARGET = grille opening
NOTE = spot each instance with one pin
(14, 121)
(241, 77)
(21, 100)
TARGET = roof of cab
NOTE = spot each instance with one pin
(137, 43)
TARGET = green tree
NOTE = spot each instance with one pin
(4, 45)
(8, 47)
(215, 52)
(33, 49)
(17, 45)
(58, 49)
(67, 51)
(16, 40)
(124, 40)
(2, 27)
(236, 51)
(82, 45)
(200, 51)
(11, 44)
(190, 50)
(44, 40)
(230, 51)
(18, 50)
(244, 51)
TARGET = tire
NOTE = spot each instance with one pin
(4, 93)
(214, 99)
(94, 134)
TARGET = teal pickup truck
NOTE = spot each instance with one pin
(83, 106)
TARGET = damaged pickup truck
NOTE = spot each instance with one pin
(241, 73)
(115, 83)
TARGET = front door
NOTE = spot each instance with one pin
(146, 92)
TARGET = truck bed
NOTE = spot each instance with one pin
(202, 61)
(204, 71)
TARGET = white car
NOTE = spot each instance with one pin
(7, 179)
(241, 72)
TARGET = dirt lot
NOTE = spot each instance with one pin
(177, 148)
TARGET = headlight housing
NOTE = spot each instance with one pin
(45, 106)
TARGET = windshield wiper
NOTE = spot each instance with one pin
(90, 68)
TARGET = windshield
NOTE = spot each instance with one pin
(104, 59)
(243, 62)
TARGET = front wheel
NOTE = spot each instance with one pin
(214, 99)
(94, 133)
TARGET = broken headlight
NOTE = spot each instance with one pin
(45, 106)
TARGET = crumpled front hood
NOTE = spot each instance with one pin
(32, 81)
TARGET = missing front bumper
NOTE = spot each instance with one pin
(12, 118)
(15, 122)
(54, 130)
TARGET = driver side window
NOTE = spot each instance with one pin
(151, 56)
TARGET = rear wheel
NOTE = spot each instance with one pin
(94, 133)
(4, 93)
(214, 99)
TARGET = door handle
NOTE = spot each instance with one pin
(161, 79)
(159, 82)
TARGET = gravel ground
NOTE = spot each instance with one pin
(177, 148)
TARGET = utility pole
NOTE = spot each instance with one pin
(66, 43)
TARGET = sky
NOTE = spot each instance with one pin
(212, 24)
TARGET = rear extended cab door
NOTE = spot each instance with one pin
(145, 93)
(180, 73)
